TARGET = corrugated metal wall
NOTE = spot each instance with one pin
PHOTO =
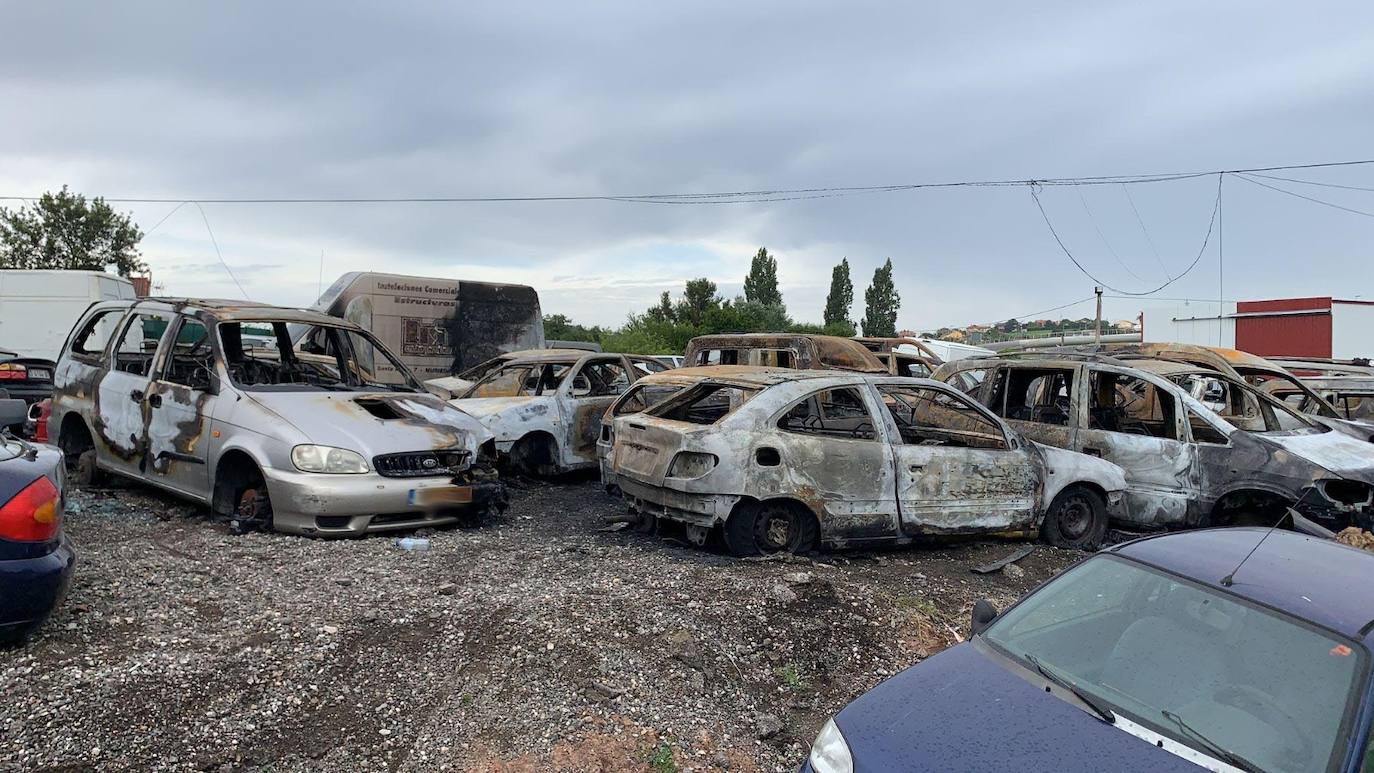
(1291, 334)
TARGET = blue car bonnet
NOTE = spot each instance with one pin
(960, 711)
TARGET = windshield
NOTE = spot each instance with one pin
(1242, 405)
(1313, 403)
(524, 379)
(259, 356)
(1258, 683)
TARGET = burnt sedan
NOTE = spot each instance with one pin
(789, 460)
(212, 401)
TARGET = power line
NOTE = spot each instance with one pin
(1035, 195)
(1103, 237)
(1314, 182)
(735, 197)
(217, 252)
(1126, 190)
(1034, 314)
(1307, 198)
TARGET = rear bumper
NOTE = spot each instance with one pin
(705, 510)
(33, 587)
(353, 505)
(29, 393)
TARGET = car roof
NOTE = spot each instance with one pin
(1314, 579)
(1337, 383)
(839, 353)
(551, 355)
(226, 310)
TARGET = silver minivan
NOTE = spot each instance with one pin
(211, 400)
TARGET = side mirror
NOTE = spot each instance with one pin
(983, 615)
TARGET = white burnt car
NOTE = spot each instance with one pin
(788, 460)
(211, 400)
(544, 406)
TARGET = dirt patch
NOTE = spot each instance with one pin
(538, 641)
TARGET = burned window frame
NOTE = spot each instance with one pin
(780, 418)
(999, 436)
(1169, 411)
(287, 349)
(96, 356)
(581, 370)
(689, 395)
(636, 389)
(154, 361)
(999, 390)
(165, 371)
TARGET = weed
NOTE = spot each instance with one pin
(790, 675)
(661, 760)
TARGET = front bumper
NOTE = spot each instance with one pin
(1316, 505)
(353, 505)
(32, 588)
(704, 510)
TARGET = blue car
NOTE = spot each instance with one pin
(36, 558)
(1221, 649)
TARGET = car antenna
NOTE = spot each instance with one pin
(1230, 579)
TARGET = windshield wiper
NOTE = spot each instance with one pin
(1092, 702)
(1221, 752)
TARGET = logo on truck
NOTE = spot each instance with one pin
(424, 337)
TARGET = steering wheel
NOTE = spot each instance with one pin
(1269, 710)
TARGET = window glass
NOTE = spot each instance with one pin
(931, 417)
(1040, 395)
(138, 345)
(1257, 682)
(96, 333)
(191, 361)
(601, 379)
(837, 413)
(1131, 406)
(703, 404)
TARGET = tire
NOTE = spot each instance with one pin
(1076, 519)
(761, 528)
(252, 508)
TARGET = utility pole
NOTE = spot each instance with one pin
(1097, 327)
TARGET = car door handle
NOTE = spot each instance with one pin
(136, 395)
(155, 401)
(917, 467)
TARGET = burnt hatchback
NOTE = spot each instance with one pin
(211, 400)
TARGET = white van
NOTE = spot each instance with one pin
(38, 308)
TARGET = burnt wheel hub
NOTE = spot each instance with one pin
(1075, 517)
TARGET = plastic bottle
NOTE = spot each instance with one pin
(412, 543)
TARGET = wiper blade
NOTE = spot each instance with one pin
(1221, 752)
(1092, 702)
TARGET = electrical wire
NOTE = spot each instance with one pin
(217, 252)
(1211, 223)
(164, 217)
(1034, 314)
(1106, 243)
(1307, 198)
(1312, 182)
(1126, 190)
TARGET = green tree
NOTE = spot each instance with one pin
(698, 298)
(558, 327)
(761, 284)
(841, 296)
(881, 302)
(664, 310)
(65, 231)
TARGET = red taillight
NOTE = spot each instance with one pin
(13, 371)
(32, 515)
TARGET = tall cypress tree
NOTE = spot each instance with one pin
(881, 302)
(841, 296)
(761, 284)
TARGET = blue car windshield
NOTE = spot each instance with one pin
(1264, 686)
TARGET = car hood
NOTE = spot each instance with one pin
(376, 423)
(1335, 451)
(960, 711)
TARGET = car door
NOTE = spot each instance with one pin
(827, 449)
(121, 414)
(589, 390)
(1135, 422)
(1040, 401)
(180, 406)
(957, 470)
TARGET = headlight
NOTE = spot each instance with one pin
(690, 464)
(829, 752)
(327, 459)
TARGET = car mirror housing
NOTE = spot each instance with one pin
(983, 615)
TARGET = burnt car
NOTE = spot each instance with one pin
(1186, 465)
(903, 356)
(544, 406)
(1303, 367)
(211, 401)
(789, 460)
(1352, 396)
(36, 557)
(782, 350)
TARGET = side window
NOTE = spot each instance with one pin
(640, 398)
(601, 379)
(1041, 395)
(191, 361)
(717, 357)
(1204, 432)
(1130, 406)
(968, 381)
(138, 345)
(91, 340)
(931, 417)
(837, 413)
(777, 358)
(1359, 407)
(649, 365)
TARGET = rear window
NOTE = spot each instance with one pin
(91, 340)
(703, 403)
(643, 396)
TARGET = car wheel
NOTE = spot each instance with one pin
(252, 509)
(1077, 519)
(769, 527)
(533, 455)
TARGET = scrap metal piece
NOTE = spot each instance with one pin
(1010, 558)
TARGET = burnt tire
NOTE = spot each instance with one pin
(87, 474)
(252, 508)
(763, 528)
(1076, 519)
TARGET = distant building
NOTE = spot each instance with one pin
(1294, 327)
(957, 336)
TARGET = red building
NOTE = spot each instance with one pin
(1305, 327)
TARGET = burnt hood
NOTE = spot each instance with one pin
(1335, 451)
(376, 423)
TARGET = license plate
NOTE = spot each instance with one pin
(637, 458)
(441, 495)
(40, 374)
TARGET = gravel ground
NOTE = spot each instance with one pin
(537, 641)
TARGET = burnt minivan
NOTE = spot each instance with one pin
(211, 401)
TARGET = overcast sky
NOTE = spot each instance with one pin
(189, 100)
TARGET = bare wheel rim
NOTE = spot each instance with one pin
(774, 530)
(1075, 516)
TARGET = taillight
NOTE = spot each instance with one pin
(32, 515)
(13, 371)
